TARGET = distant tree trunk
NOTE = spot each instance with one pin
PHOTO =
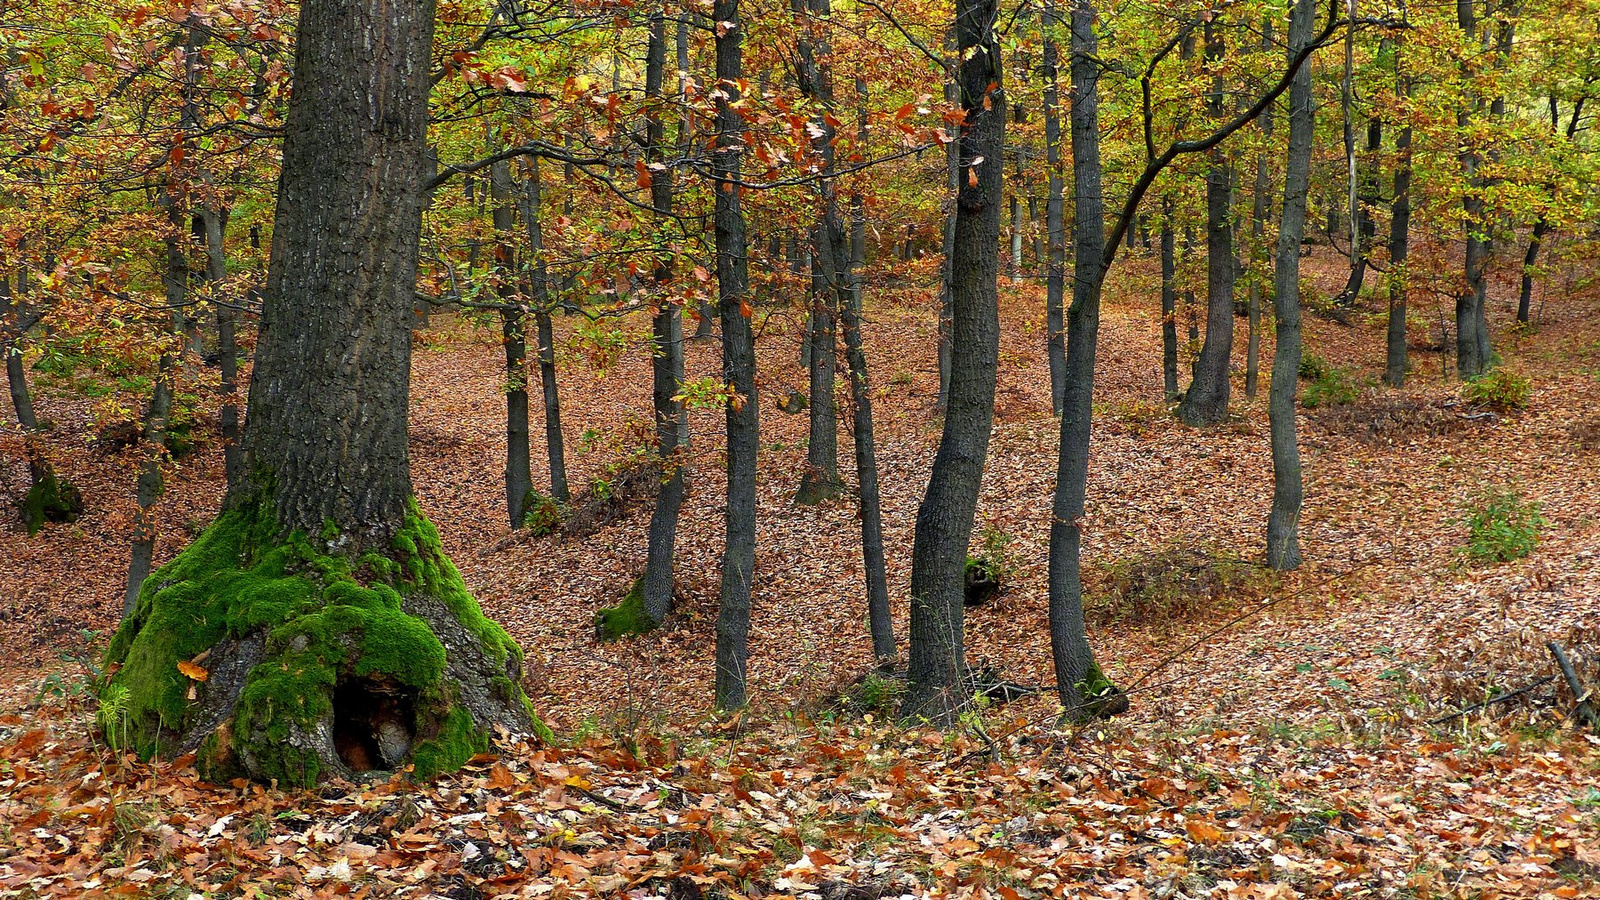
(1473, 351)
(707, 313)
(829, 276)
(1283, 526)
(539, 292)
(1541, 228)
(1169, 303)
(12, 328)
(870, 508)
(738, 364)
(1394, 373)
(1206, 403)
(1055, 226)
(513, 328)
(1079, 683)
(944, 521)
(212, 224)
(672, 420)
(152, 443)
(1259, 258)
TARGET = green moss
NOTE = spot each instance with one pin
(322, 624)
(51, 499)
(1102, 699)
(458, 740)
(626, 618)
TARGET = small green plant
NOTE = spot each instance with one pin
(1312, 366)
(541, 515)
(1501, 526)
(1498, 388)
(1334, 387)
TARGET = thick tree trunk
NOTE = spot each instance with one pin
(514, 337)
(738, 365)
(1055, 226)
(944, 521)
(1283, 526)
(1081, 687)
(331, 632)
(672, 420)
(1206, 403)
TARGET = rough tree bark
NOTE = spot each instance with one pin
(944, 521)
(333, 632)
(1473, 350)
(1283, 525)
(738, 365)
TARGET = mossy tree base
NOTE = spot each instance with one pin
(51, 499)
(299, 664)
(1098, 697)
(816, 489)
(628, 618)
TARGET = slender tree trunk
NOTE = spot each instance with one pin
(13, 328)
(1394, 373)
(672, 420)
(1283, 526)
(1206, 403)
(513, 328)
(1055, 277)
(738, 364)
(1169, 303)
(1078, 678)
(944, 521)
(152, 443)
(213, 225)
(539, 290)
(1473, 351)
(1259, 257)
(1541, 228)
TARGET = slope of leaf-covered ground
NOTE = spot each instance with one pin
(1297, 753)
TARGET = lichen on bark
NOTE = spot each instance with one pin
(307, 663)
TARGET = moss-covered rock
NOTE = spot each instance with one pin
(626, 618)
(298, 663)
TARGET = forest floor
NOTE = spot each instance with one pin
(1298, 752)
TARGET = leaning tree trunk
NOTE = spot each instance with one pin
(514, 337)
(944, 521)
(1055, 226)
(738, 366)
(50, 497)
(317, 628)
(1541, 228)
(1206, 403)
(1283, 525)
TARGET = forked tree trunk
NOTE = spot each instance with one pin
(1283, 525)
(738, 366)
(332, 632)
(944, 521)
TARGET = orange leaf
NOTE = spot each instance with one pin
(1204, 832)
(190, 670)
